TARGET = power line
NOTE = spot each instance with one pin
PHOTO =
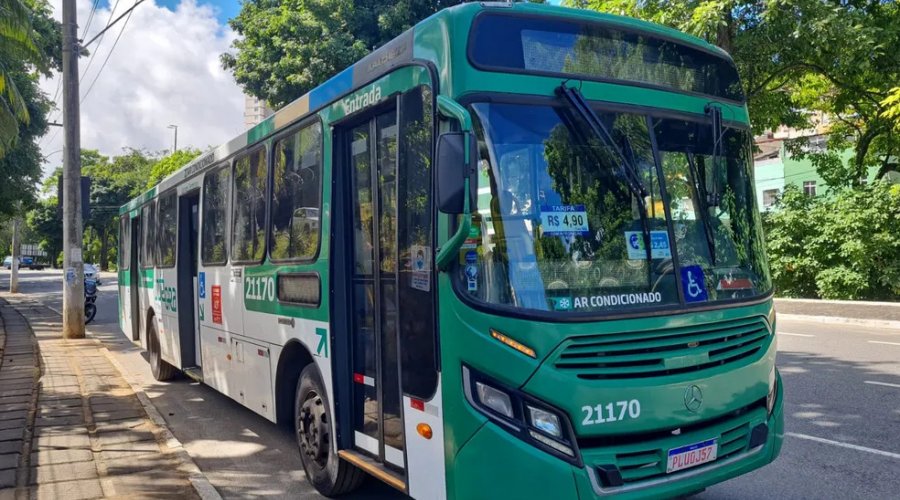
(87, 25)
(124, 25)
(94, 53)
(127, 12)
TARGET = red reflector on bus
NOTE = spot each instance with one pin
(358, 378)
(418, 405)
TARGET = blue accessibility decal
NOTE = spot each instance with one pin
(201, 285)
(693, 284)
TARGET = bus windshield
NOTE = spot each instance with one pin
(559, 228)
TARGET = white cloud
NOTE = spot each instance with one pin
(164, 70)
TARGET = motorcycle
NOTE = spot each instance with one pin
(90, 299)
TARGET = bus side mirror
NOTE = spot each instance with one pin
(453, 170)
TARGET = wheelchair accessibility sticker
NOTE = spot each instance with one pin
(693, 284)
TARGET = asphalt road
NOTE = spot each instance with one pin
(842, 412)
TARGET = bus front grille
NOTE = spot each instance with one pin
(643, 457)
(654, 353)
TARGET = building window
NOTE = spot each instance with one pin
(809, 188)
(769, 197)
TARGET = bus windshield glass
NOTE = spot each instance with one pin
(602, 52)
(559, 228)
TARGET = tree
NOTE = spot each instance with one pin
(114, 181)
(29, 47)
(799, 58)
(287, 47)
(169, 164)
(842, 247)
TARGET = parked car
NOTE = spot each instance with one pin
(91, 272)
(24, 262)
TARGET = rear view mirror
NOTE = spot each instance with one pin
(452, 171)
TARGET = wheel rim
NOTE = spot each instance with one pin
(312, 429)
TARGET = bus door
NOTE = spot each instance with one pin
(134, 278)
(378, 429)
(187, 265)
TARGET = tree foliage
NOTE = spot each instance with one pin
(287, 47)
(169, 164)
(842, 247)
(29, 47)
(114, 181)
(800, 59)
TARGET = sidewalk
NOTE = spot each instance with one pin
(70, 425)
(878, 314)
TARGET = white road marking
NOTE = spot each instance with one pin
(845, 445)
(796, 334)
(882, 383)
(885, 343)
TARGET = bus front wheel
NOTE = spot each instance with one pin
(313, 428)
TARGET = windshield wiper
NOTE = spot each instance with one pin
(699, 181)
(627, 169)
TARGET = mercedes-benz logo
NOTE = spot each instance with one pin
(693, 398)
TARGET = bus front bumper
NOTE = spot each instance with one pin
(519, 470)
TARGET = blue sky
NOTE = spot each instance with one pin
(225, 9)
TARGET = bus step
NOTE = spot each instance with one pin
(195, 373)
(374, 468)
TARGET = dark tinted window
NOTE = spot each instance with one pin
(296, 195)
(167, 230)
(215, 211)
(124, 242)
(598, 51)
(414, 213)
(148, 234)
(248, 226)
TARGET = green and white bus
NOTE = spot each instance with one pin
(513, 253)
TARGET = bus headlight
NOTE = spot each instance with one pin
(544, 420)
(521, 415)
(494, 399)
(773, 390)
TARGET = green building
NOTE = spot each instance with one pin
(775, 169)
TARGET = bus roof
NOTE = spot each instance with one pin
(382, 60)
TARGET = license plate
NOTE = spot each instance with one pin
(691, 455)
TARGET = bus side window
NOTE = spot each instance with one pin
(296, 197)
(415, 219)
(166, 233)
(248, 223)
(213, 247)
(148, 235)
(124, 253)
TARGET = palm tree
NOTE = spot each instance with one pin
(16, 43)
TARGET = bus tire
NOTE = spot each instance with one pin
(313, 429)
(161, 370)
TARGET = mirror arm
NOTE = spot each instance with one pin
(452, 109)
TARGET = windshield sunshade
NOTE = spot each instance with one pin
(501, 42)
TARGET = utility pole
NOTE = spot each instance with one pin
(14, 265)
(73, 263)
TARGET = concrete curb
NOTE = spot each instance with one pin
(877, 323)
(839, 302)
(198, 479)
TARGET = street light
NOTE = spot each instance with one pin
(175, 145)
